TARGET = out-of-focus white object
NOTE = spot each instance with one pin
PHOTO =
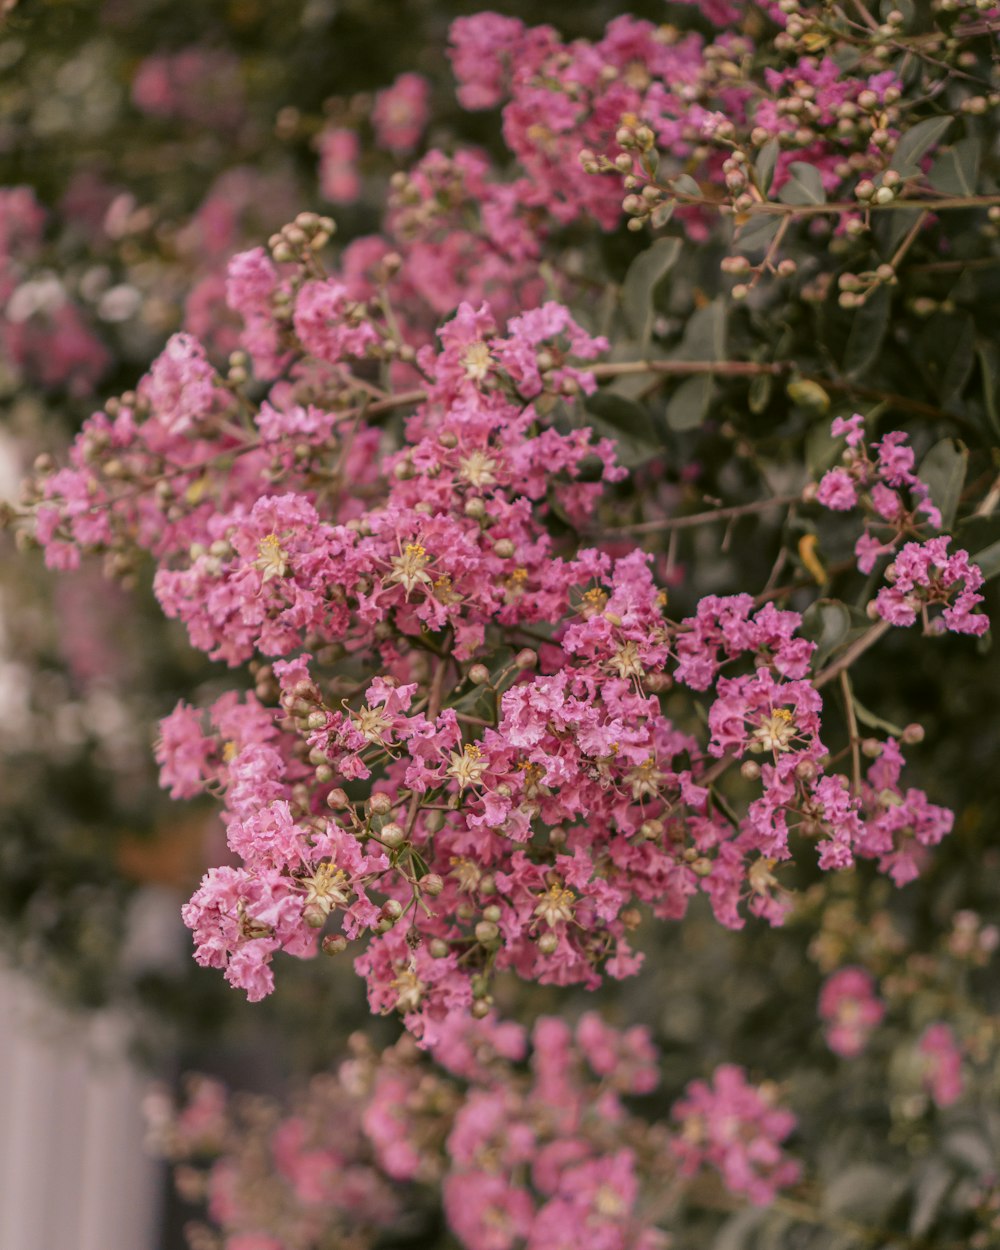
(74, 1173)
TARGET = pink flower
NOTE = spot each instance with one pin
(400, 113)
(837, 490)
(851, 1011)
(339, 149)
(737, 1129)
(942, 1063)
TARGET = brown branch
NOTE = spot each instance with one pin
(852, 729)
(857, 648)
(704, 518)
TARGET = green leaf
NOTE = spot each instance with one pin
(763, 166)
(755, 234)
(827, 623)
(869, 718)
(989, 367)
(867, 332)
(705, 333)
(943, 471)
(890, 229)
(662, 213)
(684, 184)
(865, 1192)
(822, 449)
(947, 352)
(989, 560)
(760, 393)
(917, 142)
(929, 1193)
(809, 395)
(804, 186)
(969, 1147)
(688, 405)
(643, 278)
(628, 422)
(956, 170)
(738, 1232)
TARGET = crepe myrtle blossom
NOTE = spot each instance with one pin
(941, 1059)
(478, 737)
(850, 1010)
(737, 1129)
(512, 807)
(524, 1153)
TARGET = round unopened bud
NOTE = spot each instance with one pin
(432, 884)
(740, 291)
(337, 800)
(885, 273)
(475, 508)
(481, 1008)
(504, 548)
(526, 659)
(884, 195)
(392, 835)
(392, 908)
(871, 748)
(324, 774)
(806, 770)
(316, 720)
(335, 944)
(631, 917)
(750, 770)
(479, 674)
(736, 265)
(491, 913)
(912, 734)
(787, 268)
(487, 884)
(380, 804)
(314, 916)
(448, 439)
(548, 943)
(439, 948)
(702, 866)
(487, 932)
(865, 189)
(623, 163)
(651, 829)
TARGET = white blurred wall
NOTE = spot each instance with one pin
(73, 1171)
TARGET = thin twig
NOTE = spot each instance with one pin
(704, 518)
(852, 729)
(857, 648)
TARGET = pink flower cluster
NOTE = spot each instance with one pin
(43, 334)
(941, 1059)
(922, 574)
(850, 1010)
(738, 1130)
(560, 99)
(461, 759)
(548, 1155)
